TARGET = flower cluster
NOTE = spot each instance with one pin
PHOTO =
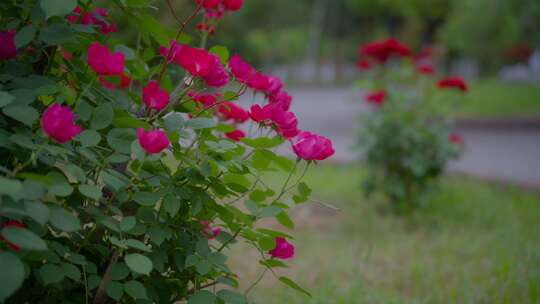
(381, 51)
(128, 171)
(98, 17)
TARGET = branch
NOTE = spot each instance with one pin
(101, 295)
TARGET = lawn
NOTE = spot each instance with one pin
(490, 98)
(474, 243)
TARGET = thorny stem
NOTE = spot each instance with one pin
(101, 295)
(180, 31)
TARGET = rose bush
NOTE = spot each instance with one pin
(128, 171)
(407, 138)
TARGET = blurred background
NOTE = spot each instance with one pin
(478, 239)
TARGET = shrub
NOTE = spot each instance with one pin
(127, 172)
(406, 138)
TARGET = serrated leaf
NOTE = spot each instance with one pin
(90, 191)
(284, 219)
(89, 138)
(222, 52)
(171, 205)
(137, 245)
(24, 114)
(24, 36)
(23, 238)
(293, 285)
(10, 187)
(71, 271)
(127, 223)
(231, 297)
(64, 220)
(138, 263)
(38, 211)
(115, 290)
(135, 290)
(6, 98)
(119, 271)
(202, 297)
(11, 276)
(57, 7)
(201, 123)
(267, 243)
(103, 116)
(51, 273)
(147, 198)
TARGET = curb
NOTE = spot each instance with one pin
(499, 123)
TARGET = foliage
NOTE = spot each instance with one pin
(471, 231)
(126, 192)
(406, 139)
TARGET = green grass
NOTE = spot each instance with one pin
(474, 243)
(490, 98)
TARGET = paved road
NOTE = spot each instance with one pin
(506, 154)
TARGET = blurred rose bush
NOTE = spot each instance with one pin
(127, 169)
(407, 138)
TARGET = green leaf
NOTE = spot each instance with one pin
(24, 36)
(137, 245)
(51, 274)
(192, 260)
(64, 220)
(202, 297)
(119, 271)
(222, 52)
(130, 122)
(6, 98)
(23, 238)
(121, 139)
(24, 114)
(135, 290)
(89, 138)
(293, 285)
(171, 205)
(154, 28)
(148, 199)
(263, 142)
(157, 235)
(174, 121)
(273, 264)
(127, 223)
(270, 211)
(115, 290)
(231, 297)
(71, 271)
(38, 211)
(201, 123)
(284, 219)
(202, 247)
(138, 263)
(56, 34)
(90, 191)
(10, 187)
(217, 258)
(237, 179)
(57, 7)
(103, 116)
(304, 189)
(267, 243)
(11, 276)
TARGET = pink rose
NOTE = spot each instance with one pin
(233, 5)
(231, 111)
(235, 135)
(125, 81)
(425, 68)
(286, 122)
(242, 71)
(453, 82)
(376, 97)
(208, 4)
(259, 82)
(8, 49)
(207, 100)
(259, 114)
(103, 62)
(283, 250)
(283, 99)
(153, 141)
(309, 146)
(198, 62)
(456, 139)
(210, 232)
(275, 85)
(58, 123)
(154, 97)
